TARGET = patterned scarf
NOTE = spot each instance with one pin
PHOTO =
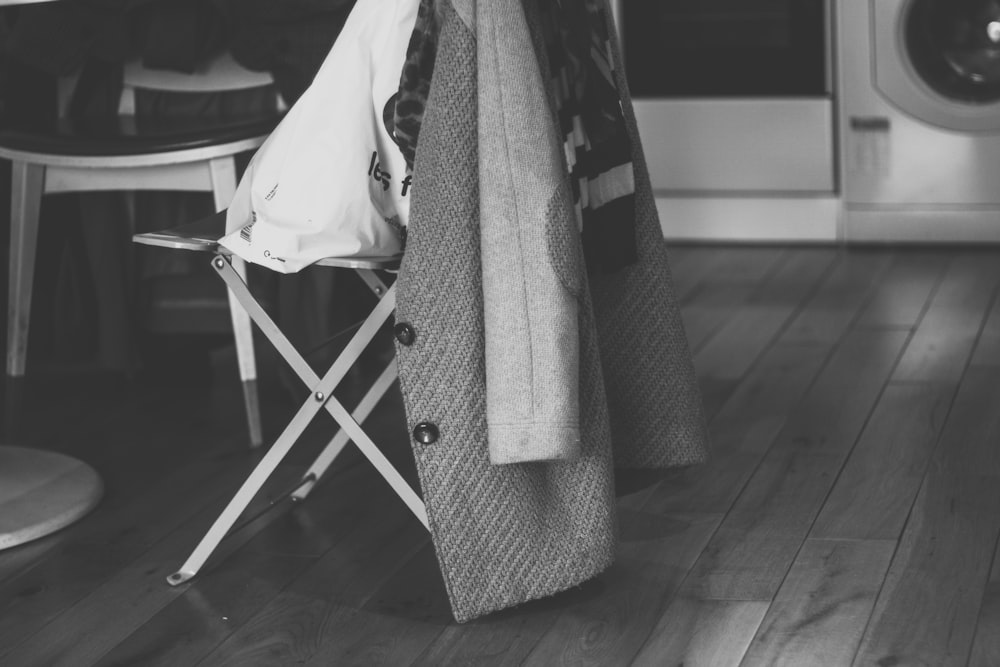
(415, 81)
(598, 150)
(588, 106)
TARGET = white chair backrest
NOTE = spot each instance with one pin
(222, 73)
(219, 74)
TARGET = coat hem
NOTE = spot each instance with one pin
(462, 616)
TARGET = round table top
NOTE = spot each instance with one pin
(41, 492)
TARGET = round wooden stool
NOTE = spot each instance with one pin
(41, 492)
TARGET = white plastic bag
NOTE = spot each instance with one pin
(329, 181)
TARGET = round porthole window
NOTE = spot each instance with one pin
(954, 47)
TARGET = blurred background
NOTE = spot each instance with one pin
(101, 304)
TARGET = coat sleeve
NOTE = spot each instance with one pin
(527, 225)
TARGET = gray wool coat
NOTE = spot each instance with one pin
(614, 386)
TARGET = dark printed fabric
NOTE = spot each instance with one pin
(598, 151)
(415, 80)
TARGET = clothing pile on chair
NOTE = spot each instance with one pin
(330, 180)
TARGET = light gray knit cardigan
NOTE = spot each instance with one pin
(505, 534)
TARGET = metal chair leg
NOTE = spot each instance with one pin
(224, 183)
(361, 412)
(246, 493)
(243, 333)
(340, 440)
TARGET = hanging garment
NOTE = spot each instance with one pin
(598, 150)
(490, 160)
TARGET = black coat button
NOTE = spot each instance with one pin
(405, 333)
(425, 433)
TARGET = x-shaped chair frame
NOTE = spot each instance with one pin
(320, 390)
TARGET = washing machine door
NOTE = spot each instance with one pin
(939, 60)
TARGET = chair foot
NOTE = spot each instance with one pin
(178, 578)
(14, 407)
(307, 484)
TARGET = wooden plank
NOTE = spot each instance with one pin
(207, 612)
(715, 394)
(680, 257)
(987, 352)
(778, 283)
(135, 516)
(727, 265)
(506, 637)
(944, 339)
(930, 602)
(15, 562)
(823, 606)
(655, 554)
(600, 622)
(702, 633)
(755, 327)
(750, 554)
(928, 594)
(730, 353)
(134, 595)
(296, 623)
(840, 296)
(742, 431)
(702, 322)
(876, 489)
(723, 295)
(146, 516)
(742, 265)
(986, 646)
(149, 490)
(96, 550)
(503, 639)
(688, 277)
(688, 263)
(226, 597)
(45, 593)
(796, 276)
(905, 290)
(398, 621)
(364, 639)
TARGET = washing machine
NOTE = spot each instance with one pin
(919, 119)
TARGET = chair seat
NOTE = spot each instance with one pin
(134, 136)
(203, 235)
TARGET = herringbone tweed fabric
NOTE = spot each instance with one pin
(505, 534)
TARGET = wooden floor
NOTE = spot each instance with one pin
(850, 515)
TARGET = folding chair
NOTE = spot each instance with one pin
(203, 236)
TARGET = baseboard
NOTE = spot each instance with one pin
(750, 219)
(901, 225)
